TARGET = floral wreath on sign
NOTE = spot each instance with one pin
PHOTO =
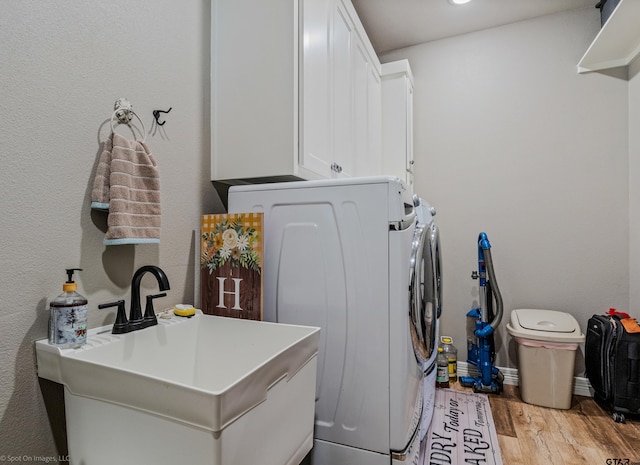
(230, 242)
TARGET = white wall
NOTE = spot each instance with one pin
(510, 140)
(63, 66)
(634, 187)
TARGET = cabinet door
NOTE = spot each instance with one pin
(373, 162)
(253, 94)
(342, 35)
(316, 152)
(409, 122)
(339, 93)
(360, 90)
(367, 108)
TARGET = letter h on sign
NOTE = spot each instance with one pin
(235, 293)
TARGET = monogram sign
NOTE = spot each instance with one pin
(231, 265)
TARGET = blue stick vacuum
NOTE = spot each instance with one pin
(483, 322)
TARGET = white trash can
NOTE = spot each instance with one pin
(547, 343)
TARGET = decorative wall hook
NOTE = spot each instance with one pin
(123, 112)
(156, 115)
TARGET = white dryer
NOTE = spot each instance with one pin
(347, 255)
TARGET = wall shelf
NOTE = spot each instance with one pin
(618, 42)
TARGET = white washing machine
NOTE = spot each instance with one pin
(347, 255)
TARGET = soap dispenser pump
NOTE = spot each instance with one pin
(68, 315)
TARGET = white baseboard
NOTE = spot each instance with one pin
(581, 386)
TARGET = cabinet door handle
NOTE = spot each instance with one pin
(336, 168)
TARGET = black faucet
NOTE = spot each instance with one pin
(136, 319)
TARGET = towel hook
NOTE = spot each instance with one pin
(123, 111)
(156, 115)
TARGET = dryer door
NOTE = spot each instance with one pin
(423, 303)
(435, 266)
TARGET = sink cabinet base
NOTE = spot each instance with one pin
(103, 433)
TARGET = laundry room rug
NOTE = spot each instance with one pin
(462, 431)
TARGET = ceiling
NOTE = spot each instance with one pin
(393, 24)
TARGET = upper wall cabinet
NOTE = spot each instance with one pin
(293, 91)
(618, 42)
(254, 88)
(397, 120)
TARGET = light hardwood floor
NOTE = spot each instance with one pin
(583, 435)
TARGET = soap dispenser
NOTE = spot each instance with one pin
(68, 315)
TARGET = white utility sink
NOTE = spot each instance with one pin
(201, 390)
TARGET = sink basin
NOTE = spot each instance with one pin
(226, 391)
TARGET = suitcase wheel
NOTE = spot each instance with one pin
(618, 417)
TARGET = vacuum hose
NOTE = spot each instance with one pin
(495, 322)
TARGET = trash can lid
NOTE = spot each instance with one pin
(544, 325)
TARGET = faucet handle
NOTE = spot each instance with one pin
(149, 313)
(121, 325)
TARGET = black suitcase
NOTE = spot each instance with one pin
(612, 359)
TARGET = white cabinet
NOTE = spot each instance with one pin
(618, 42)
(397, 120)
(254, 88)
(294, 91)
